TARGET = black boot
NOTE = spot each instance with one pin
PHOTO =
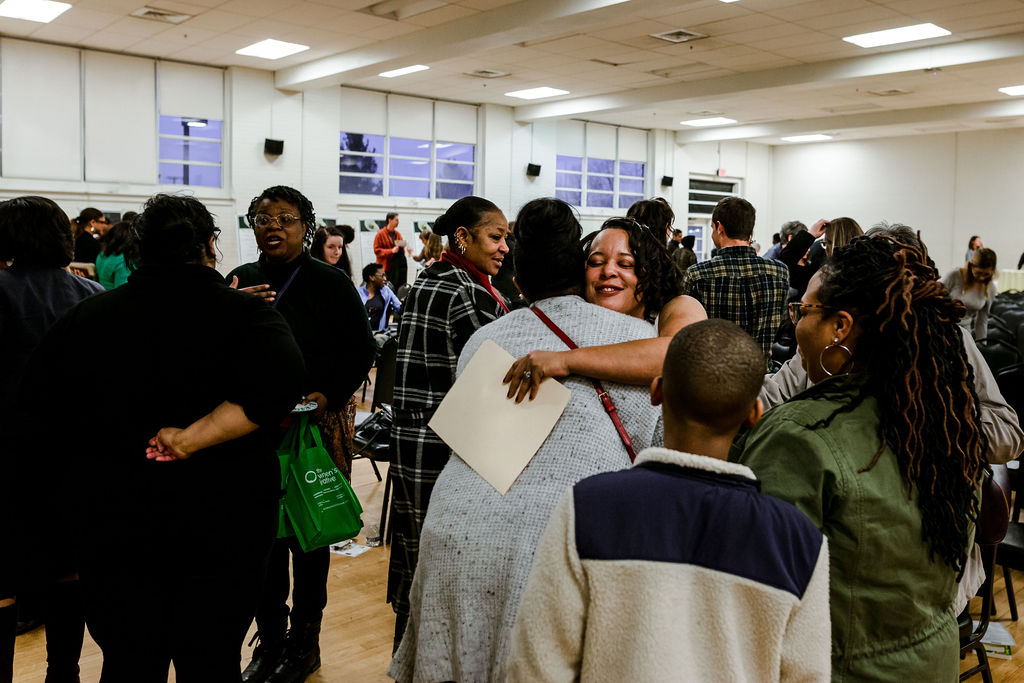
(301, 655)
(8, 619)
(265, 657)
(65, 631)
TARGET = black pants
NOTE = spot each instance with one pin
(142, 623)
(309, 595)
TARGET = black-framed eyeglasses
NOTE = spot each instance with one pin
(285, 220)
(797, 308)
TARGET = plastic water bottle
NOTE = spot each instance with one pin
(372, 535)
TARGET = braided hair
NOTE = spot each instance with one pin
(658, 281)
(283, 193)
(913, 363)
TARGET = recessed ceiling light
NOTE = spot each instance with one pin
(43, 11)
(817, 137)
(1013, 90)
(728, 0)
(271, 49)
(712, 121)
(892, 36)
(404, 70)
(536, 93)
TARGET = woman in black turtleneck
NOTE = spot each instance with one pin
(327, 318)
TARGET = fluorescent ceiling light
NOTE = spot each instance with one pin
(892, 36)
(43, 11)
(271, 49)
(1013, 90)
(536, 93)
(817, 137)
(710, 121)
(404, 70)
(727, 0)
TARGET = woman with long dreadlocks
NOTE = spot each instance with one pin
(884, 453)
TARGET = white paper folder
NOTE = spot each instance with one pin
(496, 437)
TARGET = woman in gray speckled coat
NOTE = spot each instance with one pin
(477, 546)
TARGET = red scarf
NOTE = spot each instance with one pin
(461, 262)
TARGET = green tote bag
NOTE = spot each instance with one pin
(286, 453)
(318, 500)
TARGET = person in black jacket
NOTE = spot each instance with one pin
(326, 315)
(170, 555)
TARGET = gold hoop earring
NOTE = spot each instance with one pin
(834, 345)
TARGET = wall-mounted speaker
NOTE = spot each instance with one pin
(533, 170)
(274, 147)
(666, 181)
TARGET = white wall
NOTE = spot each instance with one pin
(746, 163)
(947, 186)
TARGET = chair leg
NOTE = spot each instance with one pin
(385, 530)
(1009, 592)
(366, 383)
(986, 671)
(376, 471)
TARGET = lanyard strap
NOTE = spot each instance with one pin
(284, 288)
(606, 400)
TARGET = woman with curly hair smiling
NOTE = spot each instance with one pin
(627, 270)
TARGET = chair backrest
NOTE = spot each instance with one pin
(384, 385)
(994, 517)
(1011, 384)
(998, 354)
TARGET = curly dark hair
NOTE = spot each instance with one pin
(912, 361)
(658, 280)
(283, 193)
(655, 213)
(35, 231)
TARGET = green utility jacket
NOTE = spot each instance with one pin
(891, 605)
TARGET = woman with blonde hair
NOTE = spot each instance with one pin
(974, 284)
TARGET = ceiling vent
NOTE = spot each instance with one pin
(487, 73)
(852, 108)
(678, 36)
(399, 10)
(890, 92)
(166, 16)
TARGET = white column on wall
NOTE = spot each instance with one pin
(42, 124)
(119, 89)
(495, 165)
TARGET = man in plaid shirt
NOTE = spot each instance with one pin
(736, 284)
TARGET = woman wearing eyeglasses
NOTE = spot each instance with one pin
(326, 316)
(884, 453)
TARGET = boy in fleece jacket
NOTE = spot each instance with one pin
(680, 568)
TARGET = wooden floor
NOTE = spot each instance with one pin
(358, 626)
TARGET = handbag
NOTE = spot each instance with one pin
(319, 502)
(606, 400)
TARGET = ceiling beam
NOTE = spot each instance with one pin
(831, 124)
(833, 71)
(507, 25)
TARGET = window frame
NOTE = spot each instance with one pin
(585, 191)
(186, 163)
(433, 179)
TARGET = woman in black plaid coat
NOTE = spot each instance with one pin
(449, 301)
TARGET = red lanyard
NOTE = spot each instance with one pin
(606, 400)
